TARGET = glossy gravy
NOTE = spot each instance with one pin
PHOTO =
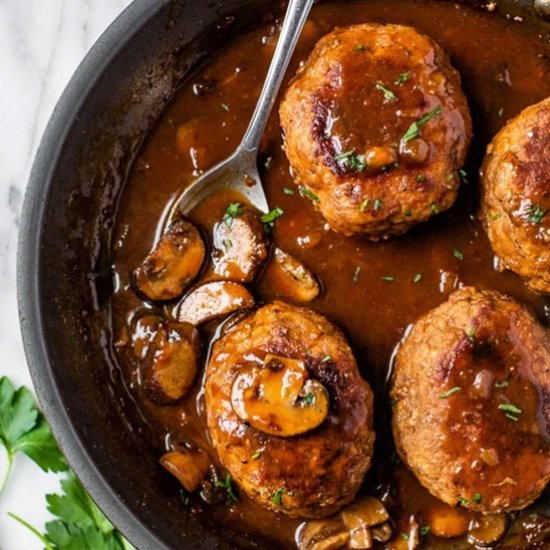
(373, 291)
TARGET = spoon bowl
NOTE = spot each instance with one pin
(239, 172)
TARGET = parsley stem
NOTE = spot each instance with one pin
(44, 540)
(7, 472)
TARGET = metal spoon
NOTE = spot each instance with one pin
(239, 172)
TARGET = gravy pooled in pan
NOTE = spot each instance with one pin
(253, 344)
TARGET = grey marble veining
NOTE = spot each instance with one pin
(41, 44)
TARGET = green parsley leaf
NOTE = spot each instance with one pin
(364, 205)
(233, 210)
(463, 501)
(359, 48)
(424, 530)
(269, 218)
(420, 178)
(352, 161)
(408, 212)
(278, 496)
(477, 498)
(402, 78)
(309, 194)
(79, 523)
(414, 129)
(450, 392)
(309, 398)
(501, 384)
(458, 254)
(496, 216)
(225, 106)
(434, 207)
(257, 454)
(471, 334)
(405, 536)
(535, 214)
(508, 407)
(377, 204)
(463, 176)
(388, 278)
(388, 94)
(24, 429)
(356, 274)
(288, 191)
(228, 486)
(417, 278)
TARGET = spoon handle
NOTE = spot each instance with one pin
(295, 17)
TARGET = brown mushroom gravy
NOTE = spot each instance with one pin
(372, 291)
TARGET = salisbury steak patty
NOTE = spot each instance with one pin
(516, 195)
(376, 127)
(307, 442)
(471, 394)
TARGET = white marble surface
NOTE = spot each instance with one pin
(41, 44)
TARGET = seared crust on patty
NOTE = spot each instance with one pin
(347, 119)
(516, 195)
(313, 474)
(471, 394)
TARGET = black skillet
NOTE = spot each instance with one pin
(63, 263)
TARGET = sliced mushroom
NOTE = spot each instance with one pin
(144, 331)
(212, 300)
(240, 246)
(189, 467)
(171, 363)
(174, 262)
(289, 278)
(447, 522)
(485, 531)
(328, 534)
(360, 517)
(278, 398)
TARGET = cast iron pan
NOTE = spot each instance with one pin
(64, 273)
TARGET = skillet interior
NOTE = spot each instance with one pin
(64, 257)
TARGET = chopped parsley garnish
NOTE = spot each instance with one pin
(233, 210)
(270, 217)
(501, 384)
(356, 274)
(225, 106)
(184, 497)
(536, 214)
(471, 334)
(377, 204)
(388, 278)
(408, 212)
(352, 161)
(450, 177)
(228, 486)
(508, 407)
(405, 536)
(309, 398)
(227, 243)
(434, 207)
(420, 178)
(463, 176)
(511, 417)
(304, 192)
(496, 217)
(388, 94)
(458, 254)
(414, 129)
(477, 498)
(278, 496)
(402, 78)
(424, 530)
(417, 277)
(257, 454)
(450, 392)
(463, 501)
(288, 191)
(364, 205)
(359, 48)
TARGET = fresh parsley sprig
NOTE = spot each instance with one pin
(79, 523)
(24, 429)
